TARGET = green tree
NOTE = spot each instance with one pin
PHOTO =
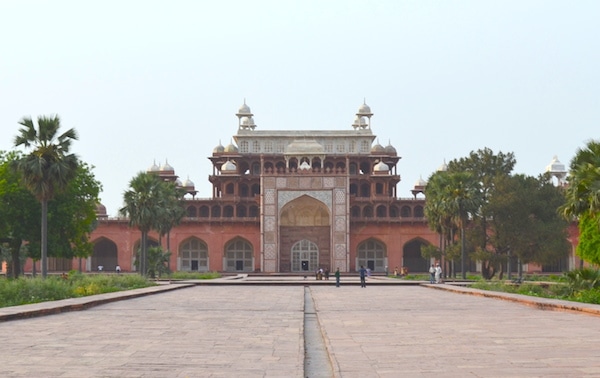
(589, 238)
(48, 168)
(19, 213)
(583, 199)
(583, 191)
(148, 203)
(525, 220)
(171, 213)
(73, 216)
(158, 262)
(72, 213)
(454, 198)
(486, 167)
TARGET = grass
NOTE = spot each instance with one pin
(34, 290)
(554, 290)
(194, 275)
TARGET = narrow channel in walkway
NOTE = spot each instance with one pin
(316, 358)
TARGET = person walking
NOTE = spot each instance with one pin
(438, 273)
(337, 277)
(432, 274)
(362, 272)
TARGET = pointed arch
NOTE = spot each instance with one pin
(192, 255)
(105, 254)
(238, 256)
(411, 256)
(372, 254)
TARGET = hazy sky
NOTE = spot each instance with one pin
(145, 81)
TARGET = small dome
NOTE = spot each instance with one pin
(166, 167)
(377, 148)
(381, 167)
(153, 168)
(391, 150)
(555, 166)
(178, 183)
(359, 122)
(219, 149)
(228, 167)
(247, 121)
(100, 209)
(420, 183)
(244, 110)
(443, 167)
(231, 148)
(364, 109)
(188, 183)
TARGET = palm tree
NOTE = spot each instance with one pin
(172, 211)
(583, 200)
(144, 204)
(583, 192)
(452, 197)
(47, 169)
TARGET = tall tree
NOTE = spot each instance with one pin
(48, 168)
(148, 203)
(455, 197)
(525, 219)
(172, 212)
(19, 213)
(583, 199)
(73, 215)
(486, 167)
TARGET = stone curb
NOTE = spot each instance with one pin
(81, 303)
(541, 303)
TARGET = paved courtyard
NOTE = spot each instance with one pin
(257, 331)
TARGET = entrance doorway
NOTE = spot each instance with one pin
(305, 256)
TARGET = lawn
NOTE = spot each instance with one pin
(26, 290)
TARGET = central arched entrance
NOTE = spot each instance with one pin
(305, 257)
(304, 236)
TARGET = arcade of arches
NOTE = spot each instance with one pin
(302, 252)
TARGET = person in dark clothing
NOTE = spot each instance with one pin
(337, 277)
(363, 272)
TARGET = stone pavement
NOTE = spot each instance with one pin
(257, 330)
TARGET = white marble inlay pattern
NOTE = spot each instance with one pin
(340, 251)
(270, 251)
(269, 224)
(269, 210)
(328, 182)
(281, 182)
(270, 266)
(340, 223)
(286, 196)
(340, 196)
(270, 196)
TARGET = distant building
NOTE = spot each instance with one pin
(289, 202)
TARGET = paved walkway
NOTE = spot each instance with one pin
(217, 330)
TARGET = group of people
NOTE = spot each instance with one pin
(435, 273)
(402, 272)
(324, 274)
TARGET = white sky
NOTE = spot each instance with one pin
(145, 81)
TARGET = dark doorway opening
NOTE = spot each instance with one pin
(239, 265)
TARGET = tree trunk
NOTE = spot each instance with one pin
(143, 254)
(463, 256)
(44, 238)
(15, 251)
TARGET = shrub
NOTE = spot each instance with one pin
(34, 290)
